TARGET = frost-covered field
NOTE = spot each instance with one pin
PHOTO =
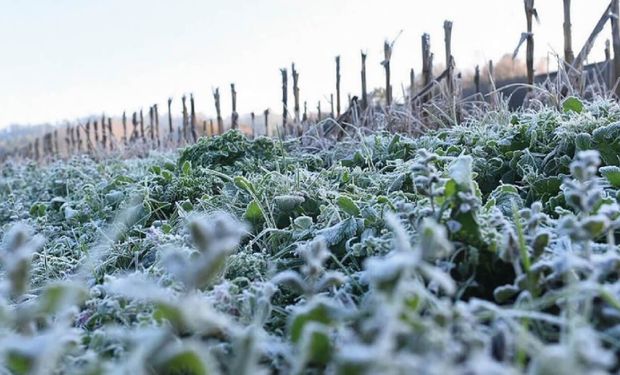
(488, 248)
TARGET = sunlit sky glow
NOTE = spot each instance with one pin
(64, 59)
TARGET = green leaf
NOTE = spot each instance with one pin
(461, 172)
(37, 210)
(184, 361)
(315, 344)
(347, 205)
(583, 141)
(503, 293)
(572, 104)
(243, 184)
(166, 228)
(61, 295)
(187, 167)
(612, 174)
(170, 313)
(316, 311)
(19, 363)
(254, 213)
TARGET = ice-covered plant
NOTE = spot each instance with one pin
(312, 278)
(215, 236)
(426, 176)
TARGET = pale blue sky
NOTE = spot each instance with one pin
(63, 59)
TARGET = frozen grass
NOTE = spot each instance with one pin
(487, 247)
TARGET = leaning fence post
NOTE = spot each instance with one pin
(493, 97)
(318, 111)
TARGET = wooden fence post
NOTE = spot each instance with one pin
(78, 138)
(185, 118)
(104, 136)
(295, 75)
(477, 79)
(266, 114)
(569, 56)
(156, 115)
(142, 126)
(493, 97)
(529, 59)
(110, 133)
(89, 145)
(411, 85)
(615, 30)
(211, 128)
(284, 73)
(318, 111)
(56, 145)
(193, 117)
(68, 140)
(151, 126)
(337, 85)
(253, 124)
(220, 122)
(134, 122)
(387, 53)
(447, 27)
(234, 116)
(124, 121)
(96, 130)
(364, 89)
(304, 117)
(427, 64)
(37, 155)
(331, 104)
(170, 130)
